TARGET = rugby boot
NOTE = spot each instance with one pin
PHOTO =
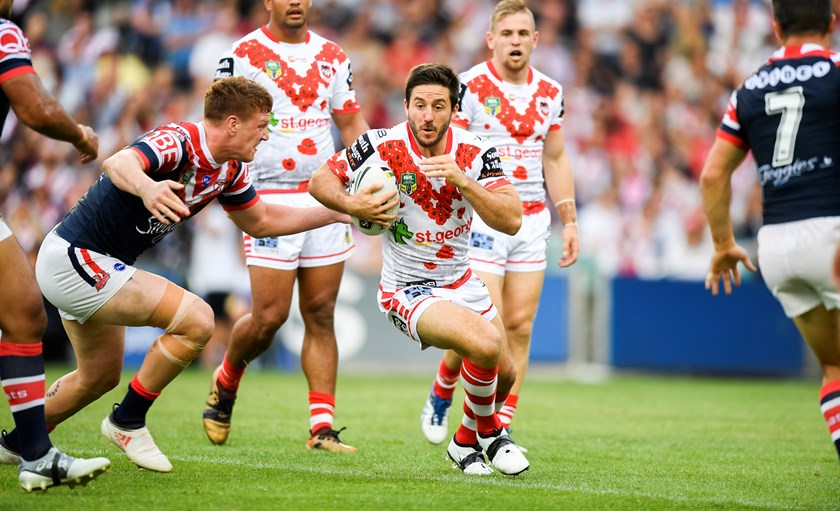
(218, 411)
(326, 439)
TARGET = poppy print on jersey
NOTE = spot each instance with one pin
(520, 126)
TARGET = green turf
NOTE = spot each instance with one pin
(641, 443)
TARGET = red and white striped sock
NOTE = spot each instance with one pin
(446, 380)
(480, 388)
(321, 411)
(506, 408)
(830, 406)
(230, 375)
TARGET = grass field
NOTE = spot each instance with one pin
(633, 442)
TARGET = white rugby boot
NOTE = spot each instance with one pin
(137, 444)
(56, 468)
(468, 458)
(503, 453)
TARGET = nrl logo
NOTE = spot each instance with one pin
(408, 183)
(326, 70)
(492, 105)
(272, 69)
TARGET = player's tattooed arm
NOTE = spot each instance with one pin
(54, 388)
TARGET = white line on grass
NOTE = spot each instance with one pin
(490, 481)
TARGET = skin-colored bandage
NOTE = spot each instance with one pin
(168, 306)
(173, 308)
(177, 349)
(567, 211)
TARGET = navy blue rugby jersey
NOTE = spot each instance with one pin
(15, 60)
(788, 114)
(113, 222)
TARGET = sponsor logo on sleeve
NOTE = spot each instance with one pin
(360, 151)
(225, 68)
(491, 164)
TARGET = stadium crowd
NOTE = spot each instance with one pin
(645, 85)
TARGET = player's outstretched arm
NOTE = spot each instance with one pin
(716, 191)
(126, 171)
(263, 219)
(41, 111)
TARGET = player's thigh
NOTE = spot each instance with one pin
(135, 301)
(318, 287)
(271, 292)
(447, 325)
(521, 296)
(495, 284)
(20, 298)
(98, 347)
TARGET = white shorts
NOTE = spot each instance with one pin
(796, 260)
(497, 253)
(324, 246)
(404, 306)
(76, 280)
(5, 232)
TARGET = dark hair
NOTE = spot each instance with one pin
(237, 96)
(433, 74)
(797, 17)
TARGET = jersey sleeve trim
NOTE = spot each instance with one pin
(146, 154)
(235, 205)
(734, 139)
(351, 110)
(20, 70)
(555, 127)
(497, 183)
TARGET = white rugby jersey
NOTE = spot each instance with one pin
(514, 118)
(428, 241)
(309, 82)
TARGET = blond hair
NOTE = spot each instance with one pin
(506, 8)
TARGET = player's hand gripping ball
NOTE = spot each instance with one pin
(365, 177)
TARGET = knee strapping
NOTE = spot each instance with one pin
(177, 349)
(172, 310)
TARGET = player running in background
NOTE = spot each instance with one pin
(311, 82)
(23, 319)
(427, 289)
(788, 114)
(85, 264)
(520, 111)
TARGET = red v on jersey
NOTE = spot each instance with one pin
(301, 90)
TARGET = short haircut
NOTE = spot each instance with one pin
(237, 96)
(506, 8)
(433, 74)
(798, 17)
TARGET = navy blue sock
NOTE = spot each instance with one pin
(22, 376)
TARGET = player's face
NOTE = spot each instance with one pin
(513, 40)
(249, 134)
(429, 113)
(288, 13)
(6, 8)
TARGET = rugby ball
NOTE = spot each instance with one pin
(365, 177)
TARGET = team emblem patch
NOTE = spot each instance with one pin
(408, 183)
(272, 69)
(326, 70)
(492, 105)
(543, 106)
(187, 176)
